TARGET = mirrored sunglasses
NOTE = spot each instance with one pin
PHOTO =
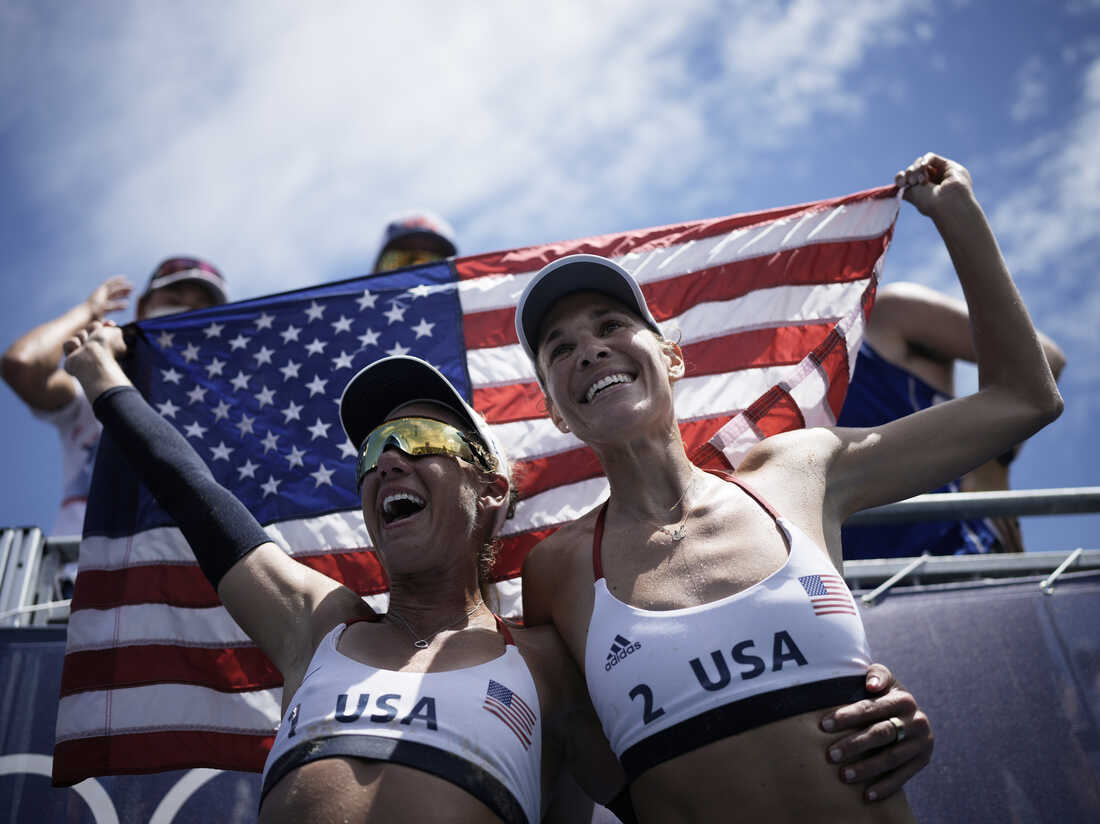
(415, 437)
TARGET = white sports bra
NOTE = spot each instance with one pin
(478, 727)
(667, 682)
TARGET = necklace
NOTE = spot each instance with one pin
(677, 532)
(422, 643)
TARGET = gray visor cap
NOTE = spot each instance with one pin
(575, 273)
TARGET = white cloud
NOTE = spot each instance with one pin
(276, 141)
(1031, 91)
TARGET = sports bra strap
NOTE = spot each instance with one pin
(748, 490)
(503, 627)
(601, 517)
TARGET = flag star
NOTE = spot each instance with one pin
(369, 338)
(239, 342)
(268, 441)
(195, 430)
(342, 325)
(315, 310)
(264, 321)
(170, 376)
(240, 383)
(316, 386)
(215, 367)
(221, 451)
(348, 450)
(342, 362)
(168, 409)
(197, 395)
(214, 330)
(265, 396)
(290, 333)
(290, 370)
(271, 486)
(322, 476)
(396, 312)
(245, 424)
(316, 348)
(190, 352)
(165, 339)
(264, 355)
(247, 470)
(398, 349)
(319, 430)
(421, 290)
(423, 328)
(221, 410)
(366, 300)
(292, 412)
(295, 457)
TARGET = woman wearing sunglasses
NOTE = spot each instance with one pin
(435, 711)
(689, 598)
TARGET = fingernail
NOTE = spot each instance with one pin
(849, 774)
(874, 681)
(835, 754)
(828, 724)
(872, 795)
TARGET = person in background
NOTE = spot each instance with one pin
(413, 238)
(32, 366)
(907, 363)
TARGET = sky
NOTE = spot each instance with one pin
(275, 138)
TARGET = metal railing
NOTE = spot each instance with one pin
(30, 564)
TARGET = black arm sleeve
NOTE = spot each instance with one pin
(218, 527)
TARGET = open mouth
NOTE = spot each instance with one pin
(605, 383)
(398, 506)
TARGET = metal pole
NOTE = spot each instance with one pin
(945, 506)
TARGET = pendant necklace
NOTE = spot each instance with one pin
(423, 643)
(679, 531)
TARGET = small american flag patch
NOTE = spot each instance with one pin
(512, 710)
(828, 594)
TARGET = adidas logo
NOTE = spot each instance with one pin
(620, 648)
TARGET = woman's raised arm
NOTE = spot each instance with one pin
(1017, 394)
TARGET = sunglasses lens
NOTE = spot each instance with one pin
(415, 437)
(400, 258)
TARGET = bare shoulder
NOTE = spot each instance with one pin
(800, 451)
(560, 553)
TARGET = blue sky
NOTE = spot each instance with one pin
(275, 142)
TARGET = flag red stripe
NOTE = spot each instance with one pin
(184, 585)
(131, 753)
(227, 669)
(756, 348)
(849, 611)
(531, 258)
(776, 411)
(833, 262)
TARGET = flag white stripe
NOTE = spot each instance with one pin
(138, 624)
(167, 706)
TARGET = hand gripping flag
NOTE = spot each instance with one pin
(768, 308)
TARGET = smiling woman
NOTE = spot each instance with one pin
(683, 577)
(435, 711)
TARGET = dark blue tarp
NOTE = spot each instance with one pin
(1009, 676)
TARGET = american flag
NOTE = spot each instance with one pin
(769, 310)
(512, 710)
(828, 593)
